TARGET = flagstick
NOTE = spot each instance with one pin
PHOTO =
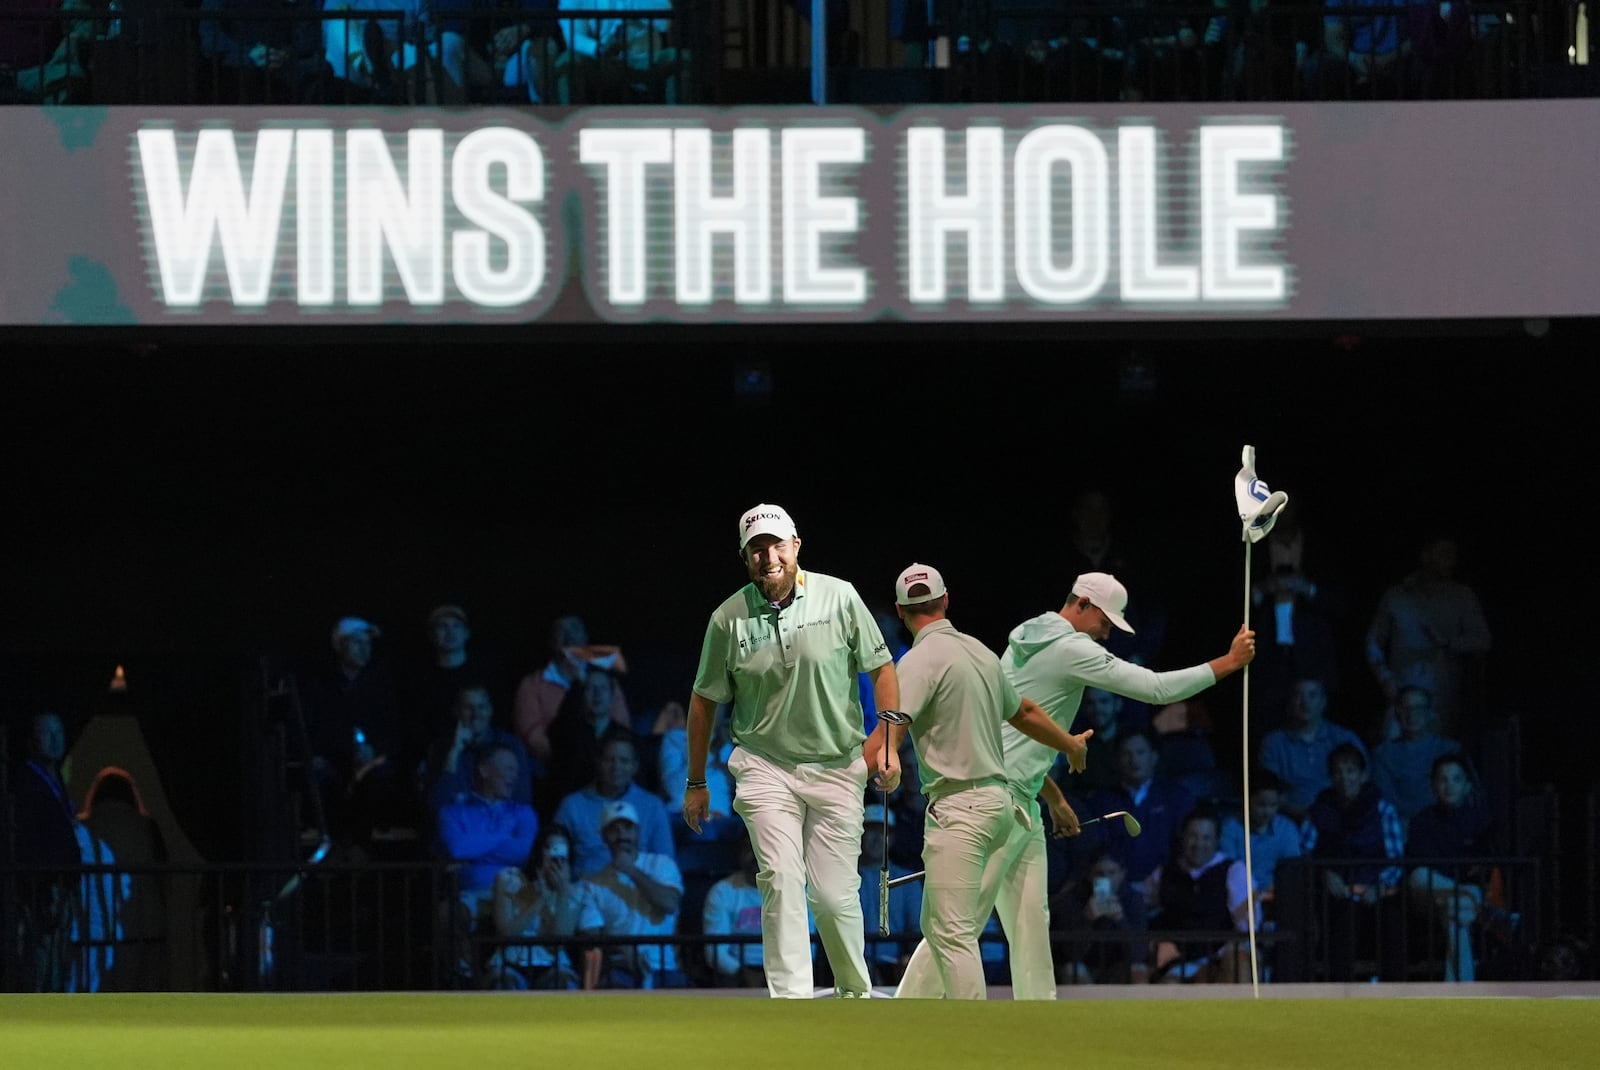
(1249, 871)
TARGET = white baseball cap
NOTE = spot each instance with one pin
(765, 519)
(913, 575)
(618, 810)
(1105, 591)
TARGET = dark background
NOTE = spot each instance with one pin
(182, 504)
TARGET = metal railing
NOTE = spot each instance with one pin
(383, 926)
(750, 52)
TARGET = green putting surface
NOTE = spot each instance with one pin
(665, 1032)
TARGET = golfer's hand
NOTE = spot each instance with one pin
(1243, 648)
(696, 807)
(1063, 821)
(1078, 753)
(887, 775)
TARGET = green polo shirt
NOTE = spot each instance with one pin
(792, 674)
(958, 700)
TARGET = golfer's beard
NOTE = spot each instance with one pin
(776, 589)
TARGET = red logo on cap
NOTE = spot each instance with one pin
(912, 577)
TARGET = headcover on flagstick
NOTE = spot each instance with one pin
(1258, 506)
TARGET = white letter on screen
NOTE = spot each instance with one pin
(745, 214)
(1143, 279)
(1224, 212)
(807, 215)
(625, 154)
(933, 215)
(476, 157)
(1037, 155)
(315, 274)
(407, 219)
(181, 226)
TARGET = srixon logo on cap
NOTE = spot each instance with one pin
(913, 577)
(753, 517)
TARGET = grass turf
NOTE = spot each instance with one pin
(665, 1032)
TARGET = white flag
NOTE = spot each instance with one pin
(1258, 506)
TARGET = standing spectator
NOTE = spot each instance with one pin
(1429, 630)
(358, 758)
(46, 835)
(540, 694)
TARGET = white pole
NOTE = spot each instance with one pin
(1249, 870)
(819, 52)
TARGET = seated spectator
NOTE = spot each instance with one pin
(1298, 752)
(538, 900)
(488, 43)
(733, 907)
(485, 831)
(1360, 56)
(1351, 821)
(1402, 767)
(1273, 837)
(1455, 826)
(540, 694)
(618, 58)
(42, 59)
(1105, 903)
(378, 54)
(265, 60)
(636, 893)
(446, 775)
(580, 811)
(1202, 889)
(1156, 803)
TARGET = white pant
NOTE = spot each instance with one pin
(965, 833)
(805, 827)
(1015, 885)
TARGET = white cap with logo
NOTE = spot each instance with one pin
(926, 575)
(765, 519)
(618, 810)
(1105, 591)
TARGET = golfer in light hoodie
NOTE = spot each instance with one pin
(1050, 659)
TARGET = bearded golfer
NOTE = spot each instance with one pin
(1051, 658)
(786, 651)
(959, 700)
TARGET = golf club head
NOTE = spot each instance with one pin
(894, 717)
(1129, 822)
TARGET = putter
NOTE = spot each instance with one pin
(888, 717)
(1129, 822)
